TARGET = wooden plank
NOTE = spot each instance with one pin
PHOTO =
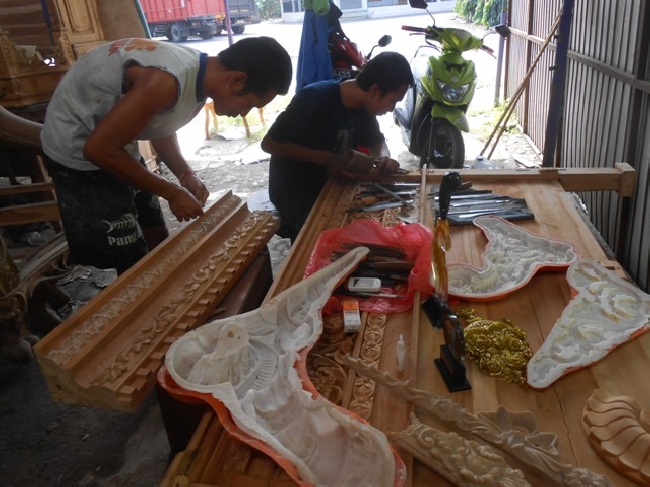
(534, 308)
(44, 211)
(620, 178)
(26, 188)
(108, 353)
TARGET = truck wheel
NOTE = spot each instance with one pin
(444, 147)
(205, 36)
(175, 34)
(237, 29)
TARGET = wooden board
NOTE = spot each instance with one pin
(108, 353)
(535, 308)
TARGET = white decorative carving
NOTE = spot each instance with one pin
(512, 256)
(606, 312)
(513, 433)
(248, 363)
(460, 461)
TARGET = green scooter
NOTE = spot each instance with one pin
(432, 114)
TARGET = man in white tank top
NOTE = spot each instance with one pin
(141, 89)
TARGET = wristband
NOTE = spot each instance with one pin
(189, 172)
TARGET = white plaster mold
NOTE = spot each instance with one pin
(251, 363)
(605, 312)
(512, 257)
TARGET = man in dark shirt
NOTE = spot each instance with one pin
(322, 121)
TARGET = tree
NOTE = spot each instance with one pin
(269, 9)
(483, 12)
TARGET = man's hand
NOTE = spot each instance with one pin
(335, 164)
(195, 185)
(386, 165)
(358, 163)
(184, 206)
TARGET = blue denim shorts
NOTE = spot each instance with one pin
(103, 217)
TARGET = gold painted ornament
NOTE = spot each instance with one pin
(497, 347)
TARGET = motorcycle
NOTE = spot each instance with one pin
(346, 57)
(433, 112)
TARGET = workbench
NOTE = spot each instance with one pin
(212, 457)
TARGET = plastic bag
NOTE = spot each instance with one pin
(414, 240)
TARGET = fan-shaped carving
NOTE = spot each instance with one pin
(619, 430)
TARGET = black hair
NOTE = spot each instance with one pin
(389, 70)
(266, 63)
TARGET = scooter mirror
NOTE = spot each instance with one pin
(418, 4)
(502, 30)
(384, 40)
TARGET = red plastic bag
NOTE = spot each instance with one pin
(414, 240)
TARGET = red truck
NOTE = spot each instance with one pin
(179, 19)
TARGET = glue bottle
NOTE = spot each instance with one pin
(482, 163)
(401, 353)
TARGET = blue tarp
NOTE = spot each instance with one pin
(314, 62)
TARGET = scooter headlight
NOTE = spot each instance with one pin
(452, 94)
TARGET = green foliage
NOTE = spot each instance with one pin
(467, 8)
(483, 12)
(269, 9)
(492, 12)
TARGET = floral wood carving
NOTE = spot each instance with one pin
(513, 433)
(460, 461)
(325, 361)
(108, 353)
(129, 295)
(497, 347)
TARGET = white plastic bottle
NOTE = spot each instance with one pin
(401, 353)
(482, 163)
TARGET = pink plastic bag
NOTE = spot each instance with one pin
(414, 240)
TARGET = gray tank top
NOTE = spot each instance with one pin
(94, 85)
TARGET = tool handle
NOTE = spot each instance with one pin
(411, 28)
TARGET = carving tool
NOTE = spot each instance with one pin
(408, 204)
(375, 207)
(481, 201)
(510, 215)
(377, 249)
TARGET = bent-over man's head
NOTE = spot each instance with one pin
(386, 79)
(266, 63)
(389, 70)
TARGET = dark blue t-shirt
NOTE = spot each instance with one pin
(316, 118)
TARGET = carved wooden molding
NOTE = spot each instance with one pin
(107, 354)
(325, 362)
(513, 433)
(619, 430)
(460, 461)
